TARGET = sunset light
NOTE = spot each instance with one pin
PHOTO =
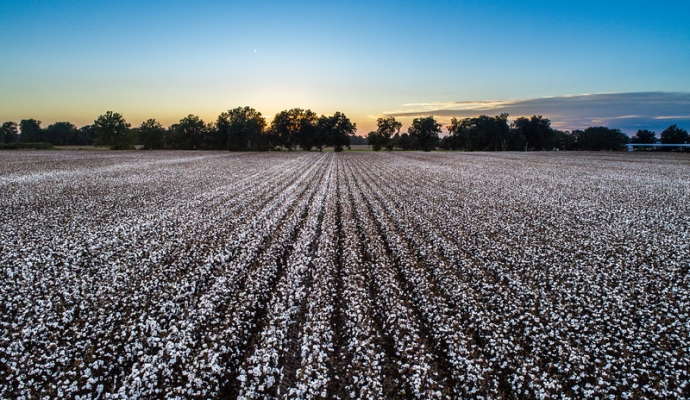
(365, 199)
(72, 61)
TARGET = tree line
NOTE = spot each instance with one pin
(239, 129)
(58, 134)
(245, 129)
(484, 133)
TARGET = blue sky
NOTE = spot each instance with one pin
(74, 60)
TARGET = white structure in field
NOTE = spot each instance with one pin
(632, 146)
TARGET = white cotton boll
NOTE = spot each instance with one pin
(537, 254)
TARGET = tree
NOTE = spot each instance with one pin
(537, 132)
(212, 140)
(459, 135)
(502, 130)
(565, 141)
(323, 132)
(152, 135)
(335, 131)
(30, 131)
(295, 127)
(425, 132)
(491, 133)
(191, 133)
(674, 135)
(9, 132)
(61, 133)
(404, 142)
(376, 140)
(386, 128)
(242, 127)
(86, 135)
(478, 133)
(602, 138)
(644, 136)
(356, 140)
(113, 131)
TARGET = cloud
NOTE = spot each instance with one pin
(673, 117)
(626, 111)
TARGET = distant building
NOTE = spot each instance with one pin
(654, 146)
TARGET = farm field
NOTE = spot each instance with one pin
(349, 275)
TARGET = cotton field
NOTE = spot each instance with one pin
(353, 275)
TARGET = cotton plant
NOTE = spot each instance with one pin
(351, 275)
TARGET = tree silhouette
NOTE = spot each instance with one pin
(602, 138)
(565, 140)
(386, 128)
(30, 131)
(403, 141)
(536, 131)
(9, 132)
(356, 140)
(86, 135)
(191, 133)
(243, 128)
(478, 133)
(376, 140)
(425, 132)
(113, 131)
(335, 131)
(674, 135)
(61, 133)
(152, 135)
(643, 136)
(295, 127)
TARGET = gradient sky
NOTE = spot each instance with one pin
(74, 60)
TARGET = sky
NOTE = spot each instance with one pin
(622, 64)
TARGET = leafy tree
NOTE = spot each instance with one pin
(518, 140)
(191, 133)
(403, 141)
(61, 133)
(577, 134)
(9, 132)
(295, 127)
(335, 131)
(674, 135)
(490, 133)
(602, 138)
(323, 132)
(537, 132)
(478, 133)
(643, 136)
(243, 128)
(212, 140)
(386, 128)
(30, 131)
(113, 131)
(86, 135)
(356, 140)
(395, 140)
(459, 137)
(425, 132)
(502, 130)
(376, 140)
(565, 140)
(152, 135)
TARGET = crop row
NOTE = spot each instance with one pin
(367, 275)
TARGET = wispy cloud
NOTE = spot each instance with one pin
(626, 111)
(464, 105)
(673, 117)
